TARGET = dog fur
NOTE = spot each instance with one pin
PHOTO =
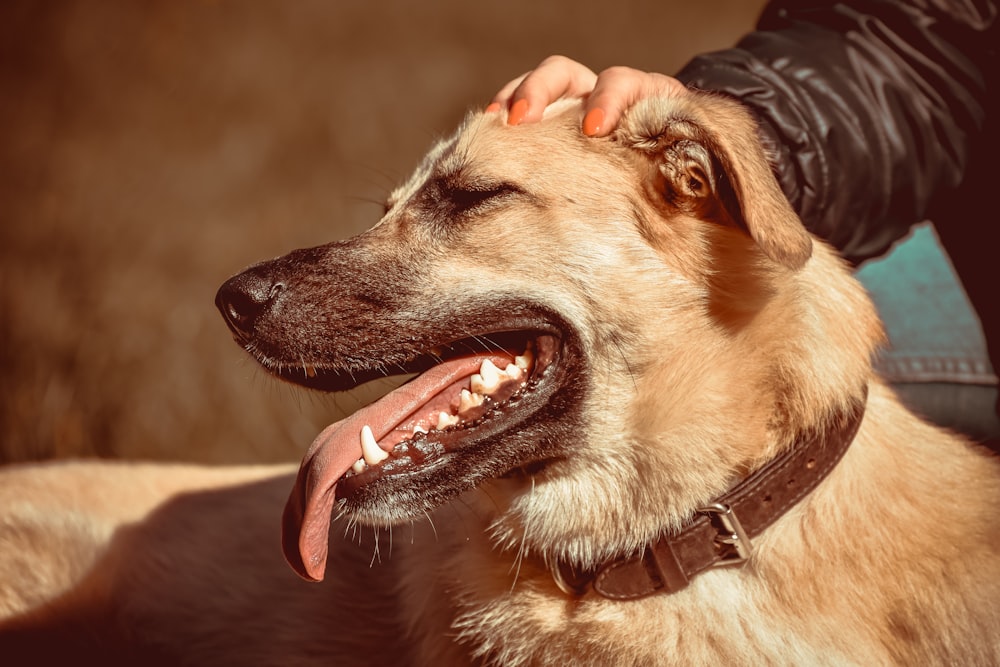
(702, 331)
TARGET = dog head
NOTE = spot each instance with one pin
(604, 332)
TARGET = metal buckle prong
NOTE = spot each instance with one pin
(732, 541)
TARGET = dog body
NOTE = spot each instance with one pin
(678, 330)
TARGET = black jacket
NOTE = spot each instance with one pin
(880, 114)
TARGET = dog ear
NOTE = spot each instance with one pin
(710, 165)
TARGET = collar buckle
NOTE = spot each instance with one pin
(731, 542)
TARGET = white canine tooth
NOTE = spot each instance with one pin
(359, 466)
(468, 400)
(489, 370)
(487, 380)
(523, 361)
(513, 371)
(446, 419)
(371, 452)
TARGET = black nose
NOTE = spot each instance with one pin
(245, 297)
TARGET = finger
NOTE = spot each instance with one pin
(502, 98)
(555, 77)
(617, 89)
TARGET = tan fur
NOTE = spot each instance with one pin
(715, 332)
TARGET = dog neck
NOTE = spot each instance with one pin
(720, 533)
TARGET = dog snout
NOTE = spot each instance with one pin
(244, 298)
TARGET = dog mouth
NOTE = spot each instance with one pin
(434, 412)
(465, 395)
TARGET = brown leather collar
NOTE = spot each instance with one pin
(720, 533)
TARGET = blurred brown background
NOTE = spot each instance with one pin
(148, 150)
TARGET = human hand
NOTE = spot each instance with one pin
(607, 95)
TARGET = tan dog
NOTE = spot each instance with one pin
(645, 430)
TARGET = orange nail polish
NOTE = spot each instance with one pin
(493, 107)
(517, 112)
(593, 121)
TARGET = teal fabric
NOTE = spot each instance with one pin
(934, 335)
(936, 357)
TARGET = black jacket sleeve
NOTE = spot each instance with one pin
(870, 108)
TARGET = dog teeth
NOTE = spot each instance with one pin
(370, 451)
(446, 419)
(468, 400)
(513, 371)
(482, 384)
(487, 379)
(524, 361)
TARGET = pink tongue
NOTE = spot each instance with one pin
(306, 521)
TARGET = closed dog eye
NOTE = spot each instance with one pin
(450, 196)
(465, 199)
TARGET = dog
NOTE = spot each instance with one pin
(642, 429)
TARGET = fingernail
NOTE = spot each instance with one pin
(517, 112)
(493, 107)
(593, 122)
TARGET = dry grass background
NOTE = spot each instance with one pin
(151, 149)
